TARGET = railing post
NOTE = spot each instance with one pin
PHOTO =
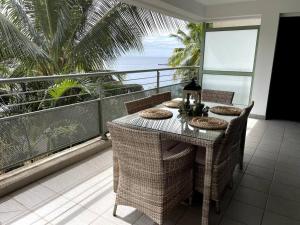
(100, 116)
(157, 80)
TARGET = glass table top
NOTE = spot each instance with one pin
(177, 124)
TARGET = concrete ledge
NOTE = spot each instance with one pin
(23, 176)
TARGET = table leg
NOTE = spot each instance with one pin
(207, 185)
(115, 172)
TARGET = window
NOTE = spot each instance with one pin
(229, 59)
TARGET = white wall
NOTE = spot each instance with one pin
(264, 61)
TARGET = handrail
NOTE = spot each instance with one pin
(26, 101)
(94, 74)
(2, 119)
(95, 85)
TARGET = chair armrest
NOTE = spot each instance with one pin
(180, 161)
(181, 154)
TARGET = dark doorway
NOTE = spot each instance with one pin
(283, 102)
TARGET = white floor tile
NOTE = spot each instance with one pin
(29, 219)
(102, 221)
(125, 215)
(55, 208)
(34, 195)
(75, 216)
(82, 194)
(11, 210)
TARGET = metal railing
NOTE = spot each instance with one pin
(43, 115)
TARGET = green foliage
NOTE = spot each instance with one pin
(64, 36)
(4, 70)
(66, 130)
(66, 92)
(58, 90)
(190, 54)
(111, 89)
(46, 37)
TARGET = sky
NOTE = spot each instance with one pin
(161, 45)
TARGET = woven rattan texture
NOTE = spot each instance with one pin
(155, 113)
(209, 123)
(173, 104)
(226, 110)
(224, 97)
(147, 181)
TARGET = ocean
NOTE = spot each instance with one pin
(148, 79)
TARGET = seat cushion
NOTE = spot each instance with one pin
(179, 147)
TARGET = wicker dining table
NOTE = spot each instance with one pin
(177, 128)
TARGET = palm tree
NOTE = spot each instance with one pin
(44, 37)
(189, 55)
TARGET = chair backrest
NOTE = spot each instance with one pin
(224, 97)
(245, 114)
(138, 105)
(248, 109)
(157, 99)
(136, 149)
(234, 135)
(232, 139)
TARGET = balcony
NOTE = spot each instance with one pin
(263, 193)
(56, 156)
(80, 191)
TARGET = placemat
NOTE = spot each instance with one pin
(154, 113)
(226, 110)
(172, 103)
(210, 123)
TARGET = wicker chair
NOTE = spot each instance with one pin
(157, 99)
(151, 180)
(166, 145)
(147, 102)
(138, 105)
(243, 138)
(227, 156)
(224, 97)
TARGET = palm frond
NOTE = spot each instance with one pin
(69, 17)
(4, 69)
(176, 57)
(113, 28)
(45, 14)
(66, 92)
(190, 54)
(14, 44)
(178, 37)
(18, 12)
(63, 36)
(109, 33)
(60, 89)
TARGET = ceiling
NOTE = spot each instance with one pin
(218, 2)
(204, 10)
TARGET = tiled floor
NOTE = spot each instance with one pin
(267, 192)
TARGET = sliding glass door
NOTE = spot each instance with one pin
(229, 60)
